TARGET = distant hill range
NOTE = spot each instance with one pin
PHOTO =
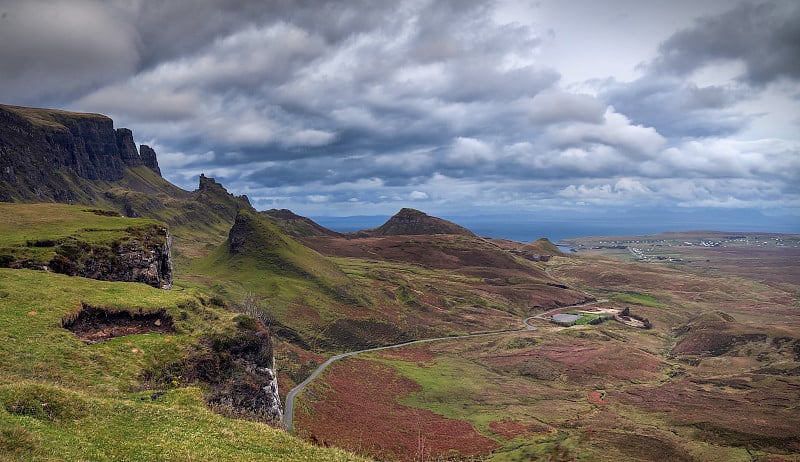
(406, 222)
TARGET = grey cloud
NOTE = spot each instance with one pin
(765, 37)
(677, 108)
(325, 102)
(474, 81)
(155, 105)
(56, 49)
(556, 106)
(177, 28)
(635, 141)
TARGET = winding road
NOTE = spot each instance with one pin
(288, 409)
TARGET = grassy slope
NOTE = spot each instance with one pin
(50, 117)
(324, 299)
(270, 264)
(542, 246)
(198, 220)
(288, 285)
(61, 399)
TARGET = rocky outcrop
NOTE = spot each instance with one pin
(413, 222)
(224, 204)
(144, 257)
(149, 159)
(240, 233)
(126, 148)
(40, 149)
(239, 368)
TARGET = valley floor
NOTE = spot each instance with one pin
(715, 378)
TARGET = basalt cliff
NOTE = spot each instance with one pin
(44, 151)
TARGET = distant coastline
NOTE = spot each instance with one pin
(529, 229)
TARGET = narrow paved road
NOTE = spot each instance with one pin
(288, 409)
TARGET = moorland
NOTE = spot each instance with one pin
(139, 321)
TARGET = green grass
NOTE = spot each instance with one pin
(453, 387)
(637, 298)
(52, 118)
(282, 275)
(61, 399)
(34, 346)
(37, 232)
(39, 222)
(586, 318)
(175, 427)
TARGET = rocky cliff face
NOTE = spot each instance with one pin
(144, 257)
(149, 159)
(239, 368)
(38, 147)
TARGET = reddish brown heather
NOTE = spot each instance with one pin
(510, 429)
(418, 354)
(364, 416)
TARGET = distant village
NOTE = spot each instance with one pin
(657, 247)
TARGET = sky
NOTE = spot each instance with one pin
(550, 108)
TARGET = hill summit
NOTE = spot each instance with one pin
(413, 222)
(542, 246)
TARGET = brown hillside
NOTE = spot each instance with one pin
(492, 272)
(413, 222)
(295, 225)
(435, 251)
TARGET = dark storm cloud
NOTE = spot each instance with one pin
(177, 28)
(326, 103)
(764, 37)
(59, 49)
(370, 94)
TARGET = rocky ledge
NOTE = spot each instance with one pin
(142, 256)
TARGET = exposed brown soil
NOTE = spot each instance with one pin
(94, 325)
(365, 416)
(596, 398)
